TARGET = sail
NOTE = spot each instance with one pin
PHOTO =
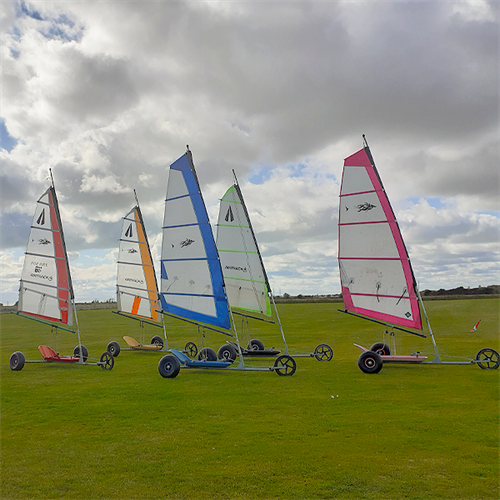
(247, 286)
(375, 271)
(192, 285)
(136, 290)
(46, 292)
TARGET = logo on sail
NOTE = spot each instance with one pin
(128, 232)
(44, 241)
(186, 242)
(229, 215)
(365, 207)
(41, 218)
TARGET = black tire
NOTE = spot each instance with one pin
(370, 362)
(85, 352)
(227, 353)
(107, 360)
(157, 340)
(255, 345)
(381, 349)
(285, 365)
(207, 354)
(113, 348)
(488, 359)
(16, 361)
(169, 366)
(191, 350)
(323, 352)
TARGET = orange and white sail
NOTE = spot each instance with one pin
(137, 289)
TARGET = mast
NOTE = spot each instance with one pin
(269, 290)
(192, 283)
(46, 290)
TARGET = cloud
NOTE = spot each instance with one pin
(107, 94)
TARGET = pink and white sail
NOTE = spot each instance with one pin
(375, 271)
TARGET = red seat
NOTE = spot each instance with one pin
(50, 355)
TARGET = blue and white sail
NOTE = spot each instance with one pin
(192, 284)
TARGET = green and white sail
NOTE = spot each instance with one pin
(247, 286)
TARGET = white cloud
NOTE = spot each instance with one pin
(107, 94)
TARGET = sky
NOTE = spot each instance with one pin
(108, 94)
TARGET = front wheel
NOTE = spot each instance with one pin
(255, 345)
(207, 354)
(113, 348)
(169, 366)
(381, 349)
(157, 340)
(323, 352)
(227, 353)
(16, 361)
(107, 361)
(488, 359)
(370, 362)
(190, 349)
(285, 365)
(85, 352)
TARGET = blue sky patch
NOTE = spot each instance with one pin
(7, 142)
(260, 176)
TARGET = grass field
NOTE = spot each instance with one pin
(329, 431)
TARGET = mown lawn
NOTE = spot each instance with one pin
(329, 431)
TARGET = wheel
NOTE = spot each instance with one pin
(113, 348)
(207, 354)
(285, 365)
(487, 359)
(370, 362)
(381, 349)
(190, 349)
(227, 353)
(323, 352)
(255, 345)
(169, 366)
(16, 361)
(107, 360)
(85, 352)
(157, 340)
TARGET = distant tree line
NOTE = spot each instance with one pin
(480, 290)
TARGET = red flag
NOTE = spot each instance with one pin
(474, 328)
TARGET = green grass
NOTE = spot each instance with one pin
(330, 431)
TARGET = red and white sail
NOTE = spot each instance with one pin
(375, 271)
(46, 292)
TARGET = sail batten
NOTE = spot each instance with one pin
(376, 276)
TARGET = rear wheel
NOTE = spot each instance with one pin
(190, 349)
(107, 361)
(169, 366)
(255, 345)
(16, 361)
(227, 353)
(488, 359)
(85, 352)
(157, 340)
(370, 362)
(323, 352)
(207, 354)
(381, 349)
(113, 348)
(285, 365)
